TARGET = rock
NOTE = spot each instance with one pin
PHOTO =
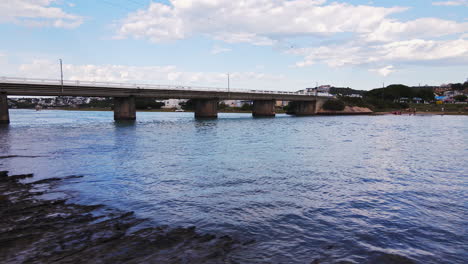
(45, 231)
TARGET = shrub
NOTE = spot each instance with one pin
(246, 107)
(334, 105)
(460, 98)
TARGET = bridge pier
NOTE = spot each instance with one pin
(4, 115)
(263, 108)
(303, 108)
(206, 108)
(124, 108)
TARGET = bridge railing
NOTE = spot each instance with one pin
(78, 83)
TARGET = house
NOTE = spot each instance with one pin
(404, 100)
(232, 103)
(281, 103)
(172, 103)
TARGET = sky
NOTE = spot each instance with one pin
(262, 44)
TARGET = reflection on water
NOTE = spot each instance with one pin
(330, 188)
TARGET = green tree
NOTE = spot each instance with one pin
(456, 86)
(334, 105)
(222, 106)
(460, 98)
(246, 107)
(189, 105)
(147, 103)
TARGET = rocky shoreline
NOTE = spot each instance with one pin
(35, 230)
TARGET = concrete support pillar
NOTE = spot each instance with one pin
(124, 108)
(206, 108)
(319, 104)
(263, 108)
(4, 115)
(303, 108)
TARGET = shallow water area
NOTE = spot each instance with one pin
(330, 188)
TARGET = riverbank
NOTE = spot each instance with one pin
(38, 230)
(420, 113)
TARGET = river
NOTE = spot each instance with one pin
(304, 188)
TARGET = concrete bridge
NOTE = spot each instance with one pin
(205, 98)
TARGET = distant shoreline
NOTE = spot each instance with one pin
(239, 111)
(422, 113)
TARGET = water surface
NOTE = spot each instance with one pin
(329, 188)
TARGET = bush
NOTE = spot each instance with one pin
(334, 105)
(460, 98)
(222, 106)
(246, 107)
(353, 101)
(147, 103)
(189, 105)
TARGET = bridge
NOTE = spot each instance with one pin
(205, 98)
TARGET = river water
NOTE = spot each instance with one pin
(331, 188)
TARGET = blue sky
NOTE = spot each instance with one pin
(263, 44)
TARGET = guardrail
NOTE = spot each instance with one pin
(140, 86)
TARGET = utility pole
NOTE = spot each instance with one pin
(229, 85)
(61, 74)
(383, 90)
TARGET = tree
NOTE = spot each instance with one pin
(391, 92)
(246, 107)
(147, 103)
(456, 86)
(465, 85)
(334, 105)
(222, 106)
(460, 98)
(189, 105)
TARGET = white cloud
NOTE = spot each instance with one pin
(37, 13)
(416, 51)
(376, 39)
(264, 22)
(218, 50)
(43, 68)
(385, 71)
(390, 30)
(451, 3)
(260, 22)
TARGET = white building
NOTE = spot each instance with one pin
(173, 103)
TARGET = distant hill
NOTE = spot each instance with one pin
(345, 91)
(396, 91)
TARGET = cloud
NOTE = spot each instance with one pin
(265, 22)
(385, 71)
(260, 22)
(390, 30)
(374, 38)
(416, 51)
(451, 3)
(218, 50)
(37, 13)
(43, 68)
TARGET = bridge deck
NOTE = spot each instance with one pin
(43, 87)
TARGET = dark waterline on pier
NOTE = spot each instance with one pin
(329, 188)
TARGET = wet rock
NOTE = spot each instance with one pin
(45, 231)
(17, 156)
(385, 258)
